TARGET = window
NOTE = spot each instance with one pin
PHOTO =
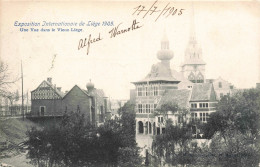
(154, 106)
(220, 84)
(144, 108)
(151, 91)
(194, 116)
(155, 91)
(140, 108)
(146, 91)
(151, 108)
(147, 108)
(204, 105)
(204, 117)
(160, 119)
(221, 95)
(139, 91)
(193, 105)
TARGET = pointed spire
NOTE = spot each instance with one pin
(164, 41)
(192, 26)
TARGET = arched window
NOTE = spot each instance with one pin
(140, 127)
(150, 128)
(200, 78)
(191, 77)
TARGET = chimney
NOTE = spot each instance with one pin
(59, 89)
(49, 79)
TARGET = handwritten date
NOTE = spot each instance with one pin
(155, 10)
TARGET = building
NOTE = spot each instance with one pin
(221, 87)
(150, 89)
(194, 97)
(49, 100)
(115, 105)
(193, 67)
(46, 100)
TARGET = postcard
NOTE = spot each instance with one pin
(57, 53)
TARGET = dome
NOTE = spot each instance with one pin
(90, 85)
(165, 54)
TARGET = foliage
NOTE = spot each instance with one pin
(233, 133)
(174, 145)
(234, 130)
(128, 122)
(240, 111)
(76, 143)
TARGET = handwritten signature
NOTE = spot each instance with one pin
(166, 11)
(86, 42)
(115, 31)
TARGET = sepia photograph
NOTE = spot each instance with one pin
(127, 83)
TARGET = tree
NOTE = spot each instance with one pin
(5, 79)
(173, 146)
(74, 142)
(128, 122)
(234, 129)
(240, 111)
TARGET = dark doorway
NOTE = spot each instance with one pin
(42, 110)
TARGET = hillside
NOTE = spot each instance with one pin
(13, 132)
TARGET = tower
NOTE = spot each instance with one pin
(193, 67)
(149, 91)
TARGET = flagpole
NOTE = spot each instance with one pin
(22, 88)
(147, 154)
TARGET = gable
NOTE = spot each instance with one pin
(45, 91)
(203, 92)
(76, 90)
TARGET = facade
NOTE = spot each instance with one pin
(150, 90)
(202, 101)
(47, 100)
(221, 87)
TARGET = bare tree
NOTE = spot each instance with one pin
(5, 80)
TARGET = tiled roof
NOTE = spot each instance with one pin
(203, 92)
(180, 97)
(61, 94)
(159, 72)
(76, 86)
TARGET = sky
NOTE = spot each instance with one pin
(228, 33)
